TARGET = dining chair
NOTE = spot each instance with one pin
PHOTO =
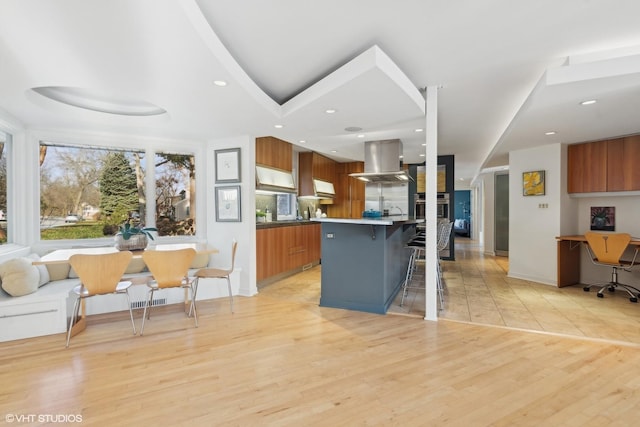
(100, 274)
(218, 273)
(607, 249)
(170, 269)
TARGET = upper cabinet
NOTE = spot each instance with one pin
(623, 157)
(350, 192)
(604, 166)
(274, 152)
(587, 167)
(312, 166)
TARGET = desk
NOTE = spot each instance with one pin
(569, 258)
(61, 256)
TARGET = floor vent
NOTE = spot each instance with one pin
(141, 304)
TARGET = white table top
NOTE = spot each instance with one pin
(61, 256)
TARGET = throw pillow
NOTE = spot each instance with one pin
(42, 270)
(19, 276)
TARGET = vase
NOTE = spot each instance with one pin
(137, 242)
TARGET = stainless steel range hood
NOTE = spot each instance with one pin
(382, 162)
(271, 180)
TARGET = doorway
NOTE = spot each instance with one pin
(501, 209)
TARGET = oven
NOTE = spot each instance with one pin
(442, 207)
(418, 199)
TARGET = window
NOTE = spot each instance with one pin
(175, 194)
(88, 192)
(5, 141)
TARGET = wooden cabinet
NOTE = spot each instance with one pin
(350, 192)
(313, 165)
(623, 158)
(286, 249)
(603, 166)
(274, 152)
(587, 167)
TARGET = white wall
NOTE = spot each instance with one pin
(535, 221)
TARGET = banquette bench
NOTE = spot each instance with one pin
(35, 299)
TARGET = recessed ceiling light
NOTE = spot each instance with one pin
(360, 135)
(589, 102)
(419, 130)
(421, 155)
(353, 129)
(330, 111)
(278, 126)
(302, 141)
(220, 83)
(334, 151)
(98, 101)
(424, 145)
(552, 132)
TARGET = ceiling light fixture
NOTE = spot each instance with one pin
(302, 141)
(330, 111)
(97, 101)
(419, 130)
(552, 132)
(278, 126)
(589, 102)
(360, 135)
(220, 83)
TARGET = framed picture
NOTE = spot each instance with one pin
(533, 183)
(227, 165)
(603, 218)
(228, 204)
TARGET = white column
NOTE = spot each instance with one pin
(431, 171)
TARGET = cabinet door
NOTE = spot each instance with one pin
(274, 152)
(623, 157)
(587, 167)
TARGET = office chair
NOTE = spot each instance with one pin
(607, 249)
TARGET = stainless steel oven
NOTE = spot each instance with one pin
(418, 200)
(442, 207)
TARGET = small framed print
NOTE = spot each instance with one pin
(227, 165)
(228, 204)
(533, 183)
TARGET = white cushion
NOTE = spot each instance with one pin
(42, 270)
(19, 276)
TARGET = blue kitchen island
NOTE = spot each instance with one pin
(364, 261)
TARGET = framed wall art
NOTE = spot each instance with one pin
(227, 165)
(228, 204)
(603, 218)
(533, 183)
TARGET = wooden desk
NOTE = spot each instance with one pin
(61, 256)
(569, 258)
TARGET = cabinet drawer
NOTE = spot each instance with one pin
(19, 321)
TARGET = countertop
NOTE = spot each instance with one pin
(285, 223)
(385, 220)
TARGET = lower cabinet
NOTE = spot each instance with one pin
(286, 249)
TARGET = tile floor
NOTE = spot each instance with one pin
(477, 290)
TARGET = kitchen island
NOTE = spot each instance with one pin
(364, 261)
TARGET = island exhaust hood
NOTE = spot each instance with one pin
(271, 180)
(382, 162)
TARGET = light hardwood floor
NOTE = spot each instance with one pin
(281, 360)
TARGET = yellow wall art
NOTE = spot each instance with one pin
(533, 183)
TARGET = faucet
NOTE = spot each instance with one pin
(398, 207)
